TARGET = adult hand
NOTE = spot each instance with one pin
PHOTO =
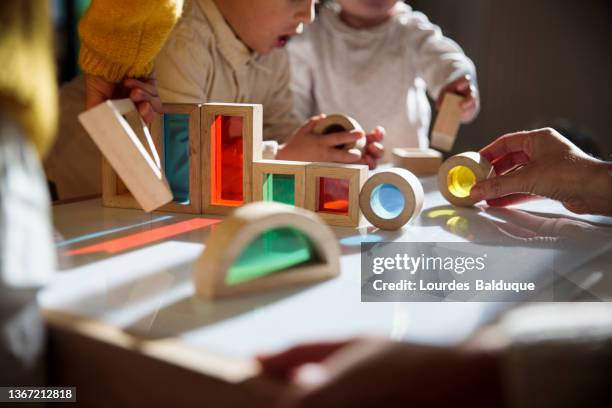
(544, 163)
(465, 87)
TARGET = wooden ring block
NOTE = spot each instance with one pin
(459, 173)
(421, 162)
(338, 122)
(232, 236)
(409, 186)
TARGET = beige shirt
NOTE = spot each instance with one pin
(379, 76)
(204, 61)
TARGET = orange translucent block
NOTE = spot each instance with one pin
(226, 165)
(333, 195)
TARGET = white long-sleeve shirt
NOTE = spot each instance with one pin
(378, 76)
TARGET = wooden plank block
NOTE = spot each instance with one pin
(125, 152)
(458, 175)
(421, 162)
(338, 122)
(332, 191)
(296, 169)
(221, 173)
(404, 189)
(230, 238)
(447, 123)
(115, 195)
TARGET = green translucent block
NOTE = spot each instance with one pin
(176, 154)
(273, 251)
(279, 188)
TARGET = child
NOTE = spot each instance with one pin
(228, 51)
(375, 60)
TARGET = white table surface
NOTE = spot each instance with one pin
(148, 290)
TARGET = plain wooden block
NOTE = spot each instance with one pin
(114, 193)
(295, 168)
(355, 174)
(232, 236)
(252, 128)
(131, 153)
(421, 162)
(408, 185)
(338, 123)
(447, 123)
(459, 173)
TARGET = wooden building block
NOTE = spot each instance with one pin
(447, 123)
(421, 162)
(332, 191)
(391, 198)
(340, 123)
(280, 181)
(130, 152)
(459, 173)
(265, 245)
(177, 122)
(232, 141)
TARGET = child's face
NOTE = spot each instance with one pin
(266, 24)
(367, 9)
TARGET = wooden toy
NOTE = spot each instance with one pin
(421, 162)
(265, 245)
(340, 123)
(447, 123)
(280, 181)
(391, 198)
(131, 153)
(458, 175)
(176, 120)
(232, 141)
(332, 191)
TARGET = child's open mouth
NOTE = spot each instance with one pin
(282, 41)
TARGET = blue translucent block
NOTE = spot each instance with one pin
(176, 154)
(387, 201)
(273, 251)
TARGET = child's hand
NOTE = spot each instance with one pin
(465, 87)
(143, 92)
(305, 145)
(546, 164)
(373, 150)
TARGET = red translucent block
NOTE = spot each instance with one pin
(333, 195)
(227, 167)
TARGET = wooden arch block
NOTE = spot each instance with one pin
(231, 237)
(447, 123)
(459, 173)
(391, 198)
(340, 123)
(332, 191)
(421, 162)
(129, 150)
(268, 174)
(232, 141)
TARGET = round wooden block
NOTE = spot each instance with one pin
(459, 173)
(409, 187)
(340, 123)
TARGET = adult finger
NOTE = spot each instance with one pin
(510, 162)
(509, 143)
(518, 181)
(512, 199)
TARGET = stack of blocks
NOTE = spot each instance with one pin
(223, 147)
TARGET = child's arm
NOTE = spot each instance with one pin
(442, 64)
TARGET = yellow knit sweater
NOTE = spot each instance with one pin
(120, 38)
(28, 90)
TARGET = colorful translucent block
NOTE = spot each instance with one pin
(279, 188)
(273, 251)
(333, 195)
(226, 161)
(176, 154)
(460, 180)
(387, 201)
